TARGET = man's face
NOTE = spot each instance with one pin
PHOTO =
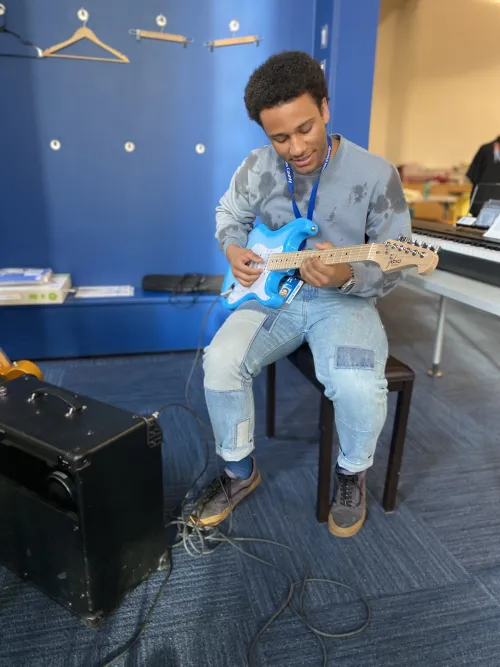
(297, 132)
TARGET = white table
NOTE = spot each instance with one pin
(451, 286)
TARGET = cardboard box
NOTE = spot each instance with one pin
(53, 292)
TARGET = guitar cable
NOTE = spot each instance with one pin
(200, 541)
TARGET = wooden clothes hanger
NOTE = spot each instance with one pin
(234, 26)
(165, 36)
(161, 20)
(234, 41)
(85, 33)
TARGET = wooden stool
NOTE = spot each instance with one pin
(399, 378)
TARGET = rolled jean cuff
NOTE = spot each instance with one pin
(234, 454)
(344, 463)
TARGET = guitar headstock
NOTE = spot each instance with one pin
(405, 253)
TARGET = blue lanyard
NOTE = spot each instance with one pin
(312, 200)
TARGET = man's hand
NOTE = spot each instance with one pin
(318, 274)
(239, 258)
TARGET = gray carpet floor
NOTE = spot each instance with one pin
(431, 570)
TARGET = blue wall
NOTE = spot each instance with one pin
(107, 216)
(354, 43)
(350, 60)
(91, 209)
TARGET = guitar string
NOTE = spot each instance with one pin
(347, 253)
(336, 255)
(303, 254)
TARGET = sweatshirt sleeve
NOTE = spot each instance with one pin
(388, 218)
(234, 214)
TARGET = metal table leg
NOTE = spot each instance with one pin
(438, 343)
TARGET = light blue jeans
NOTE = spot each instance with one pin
(349, 346)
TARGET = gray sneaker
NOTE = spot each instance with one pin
(348, 510)
(221, 496)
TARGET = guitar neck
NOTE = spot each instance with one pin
(346, 255)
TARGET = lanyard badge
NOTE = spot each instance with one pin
(312, 200)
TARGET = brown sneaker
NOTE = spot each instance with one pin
(221, 496)
(348, 510)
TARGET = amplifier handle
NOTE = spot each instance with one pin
(74, 405)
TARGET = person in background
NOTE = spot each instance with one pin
(353, 196)
(484, 173)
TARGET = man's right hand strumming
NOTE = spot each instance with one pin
(239, 259)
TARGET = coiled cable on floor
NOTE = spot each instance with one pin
(197, 542)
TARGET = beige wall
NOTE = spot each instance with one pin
(436, 95)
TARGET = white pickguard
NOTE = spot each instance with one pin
(258, 287)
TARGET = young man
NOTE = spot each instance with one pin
(359, 196)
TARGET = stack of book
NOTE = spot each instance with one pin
(30, 286)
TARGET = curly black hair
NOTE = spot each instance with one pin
(282, 78)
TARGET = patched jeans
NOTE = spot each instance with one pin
(349, 346)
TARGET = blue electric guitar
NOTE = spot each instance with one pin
(282, 254)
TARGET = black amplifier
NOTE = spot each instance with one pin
(81, 496)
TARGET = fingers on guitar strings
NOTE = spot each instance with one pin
(255, 258)
(313, 273)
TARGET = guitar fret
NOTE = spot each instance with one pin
(291, 260)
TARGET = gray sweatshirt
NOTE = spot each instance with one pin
(359, 194)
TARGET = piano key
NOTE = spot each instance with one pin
(461, 248)
(466, 256)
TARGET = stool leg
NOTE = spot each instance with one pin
(271, 401)
(325, 459)
(397, 446)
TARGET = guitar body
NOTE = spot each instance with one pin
(10, 371)
(264, 242)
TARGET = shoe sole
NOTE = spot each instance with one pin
(216, 519)
(345, 532)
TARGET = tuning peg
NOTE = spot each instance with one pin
(424, 244)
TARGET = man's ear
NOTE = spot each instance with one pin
(325, 111)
